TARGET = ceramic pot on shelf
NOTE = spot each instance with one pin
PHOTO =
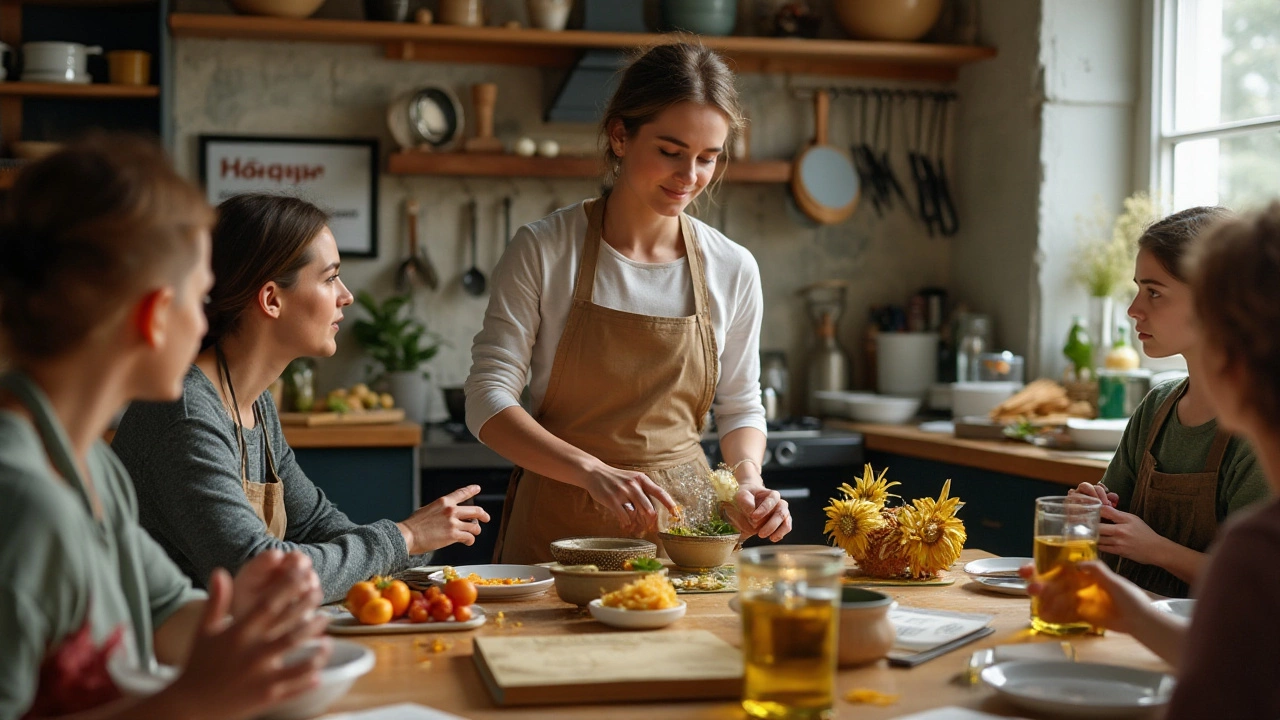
(703, 17)
(900, 20)
(549, 14)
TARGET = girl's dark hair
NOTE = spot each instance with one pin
(1233, 270)
(259, 238)
(1169, 239)
(665, 75)
(84, 232)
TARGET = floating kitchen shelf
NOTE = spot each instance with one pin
(485, 165)
(546, 48)
(98, 91)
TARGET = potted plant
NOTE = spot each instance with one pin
(401, 346)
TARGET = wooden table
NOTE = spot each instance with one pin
(449, 682)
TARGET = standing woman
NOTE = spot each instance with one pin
(217, 483)
(630, 320)
(104, 261)
(1177, 474)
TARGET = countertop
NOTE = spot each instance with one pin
(1007, 456)
(402, 434)
(407, 671)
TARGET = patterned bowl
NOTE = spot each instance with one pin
(604, 552)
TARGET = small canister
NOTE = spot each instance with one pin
(1120, 391)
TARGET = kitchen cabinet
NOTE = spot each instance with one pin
(369, 471)
(999, 508)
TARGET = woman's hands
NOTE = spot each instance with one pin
(1100, 491)
(626, 493)
(444, 522)
(757, 510)
(1088, 591)
(236, 668)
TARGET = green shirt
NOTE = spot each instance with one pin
(1181, 449)
(63, 569)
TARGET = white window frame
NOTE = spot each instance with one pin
(1160, 135)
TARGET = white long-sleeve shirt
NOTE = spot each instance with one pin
(532, 292)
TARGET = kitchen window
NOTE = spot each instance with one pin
(1215, 120)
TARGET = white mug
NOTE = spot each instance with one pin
(56, 61)
(3, 50)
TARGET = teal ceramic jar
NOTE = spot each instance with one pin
(703, 17)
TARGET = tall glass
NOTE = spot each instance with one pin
(790, 606)
(1066, 534)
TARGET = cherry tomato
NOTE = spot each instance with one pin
(419, 613)
(462, 614)
(461, 592)
(359, 594)
(441, 608)
(398, 593)
(375, 612)
(433, 593)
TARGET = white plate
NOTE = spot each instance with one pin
(541, 576)
(1181, 608)
(1096, 434)
(344, 623)
(1080, 690)
(1003, 585)
(636, 619)
(996, 566)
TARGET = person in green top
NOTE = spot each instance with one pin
(1177, 475)
(104, 260)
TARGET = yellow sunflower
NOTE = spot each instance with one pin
(870, 487)
(850, 523)
(932, 535)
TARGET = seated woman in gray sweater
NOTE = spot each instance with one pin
(217, 484)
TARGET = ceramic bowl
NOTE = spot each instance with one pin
(699, 553)
(976, 399)
(1096, 434)
(702, 17)
(636, 619)
(349, 661)
(604, 552)
(579, 584)
(901, 20)
(883, 409)
(866, 633)
(277, 8)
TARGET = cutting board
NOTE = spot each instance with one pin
(608, 667)
(366, 417)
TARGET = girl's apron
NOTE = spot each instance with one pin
(266, 498)
(1179, 506)
(631, 390)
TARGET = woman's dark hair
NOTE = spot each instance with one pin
(87, 230)
(1233, 270)
(1169, 239)
(259, 238)
(665, 75)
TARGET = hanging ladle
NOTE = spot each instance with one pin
(473, 280)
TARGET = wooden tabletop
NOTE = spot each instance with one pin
(402, 434)
(448, 680)
(1007, 456)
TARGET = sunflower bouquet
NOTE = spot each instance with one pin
(905, 541)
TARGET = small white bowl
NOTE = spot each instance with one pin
(972, 399)
(885, 409)
(1096, 434)
(347, 663)
(636, 619)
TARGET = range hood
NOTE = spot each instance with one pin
(590, 83)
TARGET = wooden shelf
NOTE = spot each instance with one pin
(485, 165)
(92, 91)
(546, 48)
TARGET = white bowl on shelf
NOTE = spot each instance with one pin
(1096, 434)
(975, 399)
(885, 409)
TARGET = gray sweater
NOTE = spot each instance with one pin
(184, 461)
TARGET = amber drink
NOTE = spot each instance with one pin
(790, 610)
(1066, 533)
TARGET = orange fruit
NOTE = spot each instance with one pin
(398, 593)
(375, 612)
(442, 608)
(462, 592)
(462, 614)
(360, 594)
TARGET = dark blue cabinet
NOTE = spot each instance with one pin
(366, 483)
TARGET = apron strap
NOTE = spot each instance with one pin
(693, 251)
(1157, 424)
(1213, 463)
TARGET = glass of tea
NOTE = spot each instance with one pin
(790, 602)
(1066, 534)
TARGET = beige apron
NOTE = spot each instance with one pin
(1182, 507)
(631, 390)
(266, 498)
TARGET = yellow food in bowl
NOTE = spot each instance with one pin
(651, 592)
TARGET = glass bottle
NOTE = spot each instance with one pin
(299, 385)
(971, 345)
(1079, 349)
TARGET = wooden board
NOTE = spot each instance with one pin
(367, 417)
(609, 667)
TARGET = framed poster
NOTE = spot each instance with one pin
(339, 175)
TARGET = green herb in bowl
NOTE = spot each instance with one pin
(710, 527)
